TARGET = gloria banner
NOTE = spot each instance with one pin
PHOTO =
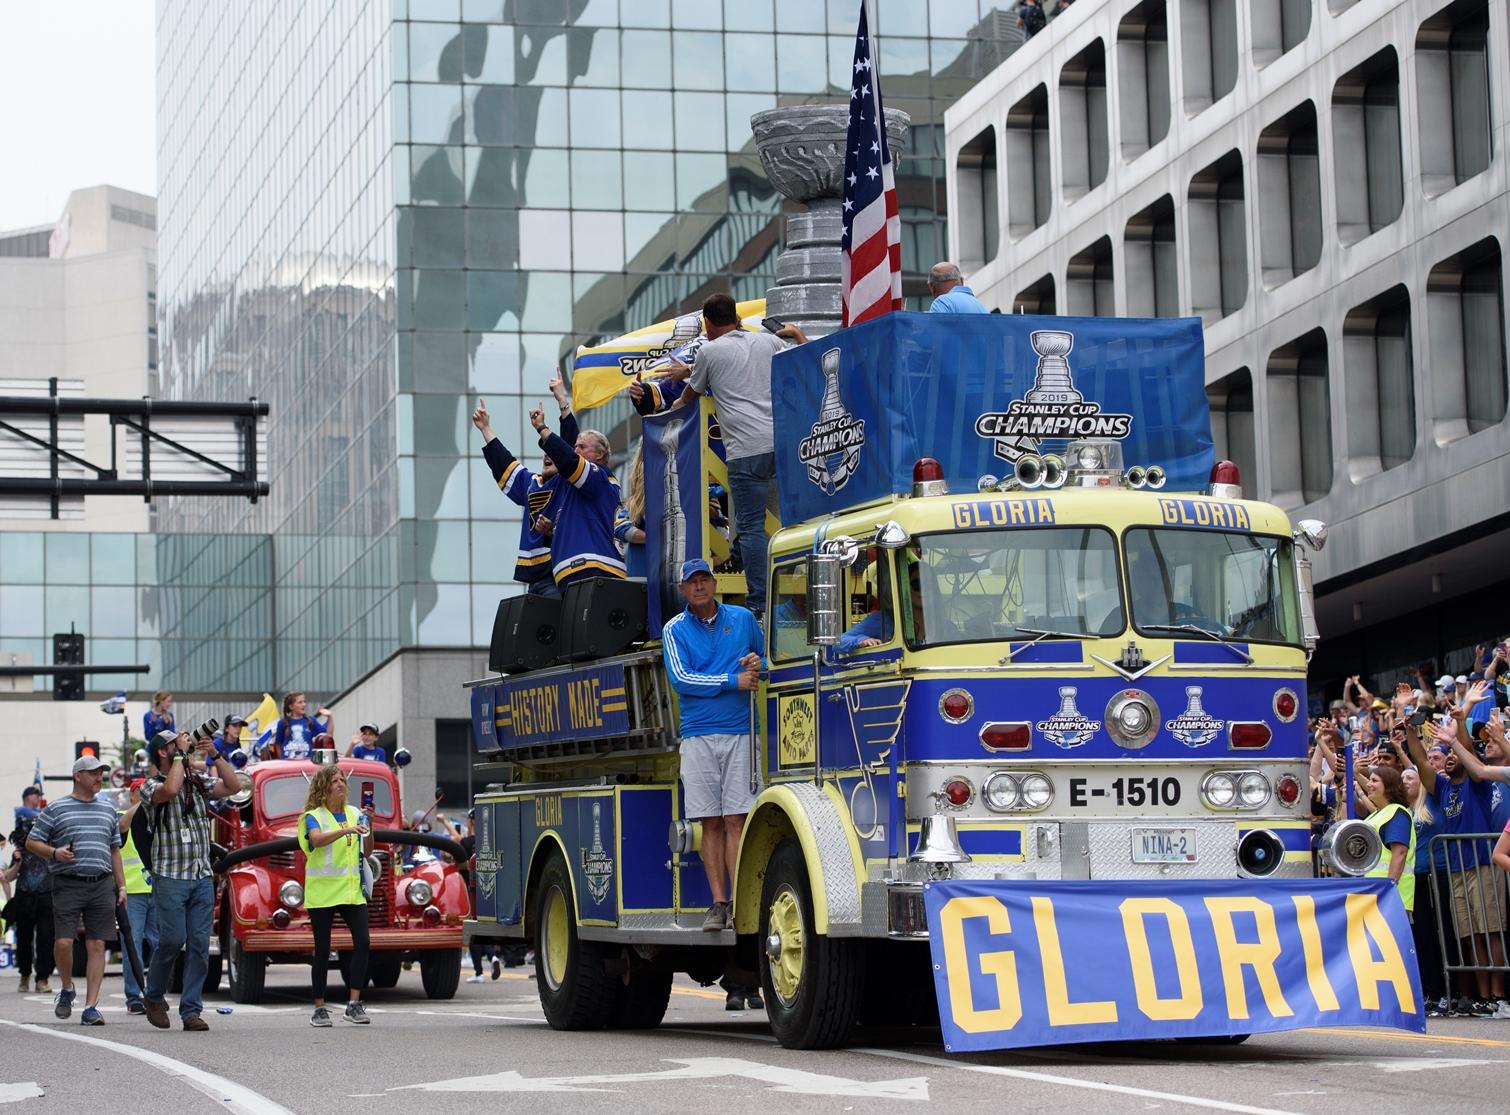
(855, 409)
(1029, 963)
(675, 500)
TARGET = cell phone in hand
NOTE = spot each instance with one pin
(772, 324)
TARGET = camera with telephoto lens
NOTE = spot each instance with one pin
(207, 731)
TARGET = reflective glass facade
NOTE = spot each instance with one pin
(372, 215)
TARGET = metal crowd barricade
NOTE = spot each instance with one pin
(1476, 904)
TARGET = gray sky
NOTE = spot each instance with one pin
(78, 102)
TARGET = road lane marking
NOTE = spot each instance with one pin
(780, 1079)
(226, 1093)
(15, 1093)
(1429, 1039)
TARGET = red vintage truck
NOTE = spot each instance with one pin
(260, 919)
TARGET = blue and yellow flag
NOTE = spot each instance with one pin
(601, 371)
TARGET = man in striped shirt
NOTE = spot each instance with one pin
(80, 837)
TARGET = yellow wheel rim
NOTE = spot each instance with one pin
(555, 931)
(786, 927)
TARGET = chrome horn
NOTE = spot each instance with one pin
(1350, 848)
(1157, 477)
(1053, 470)
(1029, 471)
(243, 795)
(1136, 476)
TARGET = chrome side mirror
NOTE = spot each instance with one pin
(843, 547)
(892, 535)
(1312, 532)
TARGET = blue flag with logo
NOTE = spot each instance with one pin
(675, 502)
(854, 410)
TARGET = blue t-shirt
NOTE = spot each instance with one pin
(154, 722)
(1428, 855)
(1465, 808)
(293, 736)
(1396, 830)
(960, 300)
(362, 751)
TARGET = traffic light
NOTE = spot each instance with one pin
(68, 650)
(86, 749)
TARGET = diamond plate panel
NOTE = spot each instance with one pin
(829, 830)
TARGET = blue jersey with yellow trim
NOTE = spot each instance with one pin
(537, 495)
(659, 394)
(583, 544)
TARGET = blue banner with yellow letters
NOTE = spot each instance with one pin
(1029, 963)
(584, 702)
(855, 409)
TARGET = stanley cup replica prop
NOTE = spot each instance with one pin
(802, 150)
(673, 522)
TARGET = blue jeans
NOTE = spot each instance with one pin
(545, 587)
(752, 482)
(142, 912)
(185, 916)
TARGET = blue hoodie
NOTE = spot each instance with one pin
(702, 661)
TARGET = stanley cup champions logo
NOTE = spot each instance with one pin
(1195, 726)
(597, 864)
(1053, 409)
(831, 450)
(1068, 727)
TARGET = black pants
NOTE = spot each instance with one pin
(33, 922)
(320, 920)
(1423, 928)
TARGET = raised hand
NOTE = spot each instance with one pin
(557, 388)
(537, 417)
(1443, 733)
(1404, 694)
(481, 418)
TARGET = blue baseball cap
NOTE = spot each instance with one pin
(693, 566)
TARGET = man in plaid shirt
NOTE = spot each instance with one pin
(177, 797)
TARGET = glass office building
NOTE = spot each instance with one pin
(373, 214)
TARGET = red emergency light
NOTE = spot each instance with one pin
(1249, 736)
(1226, 481)
(928, 478)
(1006, 737)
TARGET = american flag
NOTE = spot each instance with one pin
(872, 240)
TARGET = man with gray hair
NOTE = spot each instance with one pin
(582, 541)
(950, 294)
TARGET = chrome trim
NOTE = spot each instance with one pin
(1274, 704)
(1127, 740)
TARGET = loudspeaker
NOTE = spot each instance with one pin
(526, 634)
(601, 616)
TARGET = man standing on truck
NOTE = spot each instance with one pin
(713, 660)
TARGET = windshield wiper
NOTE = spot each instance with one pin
(1192, 629)
(1039, 635)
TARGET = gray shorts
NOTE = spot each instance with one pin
(716, 776)
(94, 902)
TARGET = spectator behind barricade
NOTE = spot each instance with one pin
(364, 745)
(950, 294)
(734, 367)
(1392, 820)
(1030, 18)
(582, 541)
(294, 732)
(141, 913)
(28, 910)
(1423, 925)
(539, 494)
(629, 522)
(78, 837)
(159, 717)
(183, 886)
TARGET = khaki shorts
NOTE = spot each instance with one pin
(716, 776)
(1478, 900)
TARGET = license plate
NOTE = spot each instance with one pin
(1163, 845)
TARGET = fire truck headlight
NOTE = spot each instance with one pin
(1219, 790)
(291, 894)
(1252, 790)
(420, 893)
(1001, 792)
(1037, 791)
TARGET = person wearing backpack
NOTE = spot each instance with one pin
(140, 913)
(1030, 18)
(335, 836)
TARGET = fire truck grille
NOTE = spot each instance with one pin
(380, 907)
(283, 861)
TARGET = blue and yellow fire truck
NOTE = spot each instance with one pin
(1030, 739)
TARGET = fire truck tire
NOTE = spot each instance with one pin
(440, 972)
(813, 983)
(213, 968)
(247, 971)
(385, 971)
(640, 1003)
(576, 990)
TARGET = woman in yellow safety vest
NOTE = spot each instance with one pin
(334, 836)
(140, 910)
(1393, 821)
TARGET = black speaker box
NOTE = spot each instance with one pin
(601, 616)
(526, 634)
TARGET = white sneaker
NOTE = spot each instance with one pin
(1501, 1010)
(475, 979)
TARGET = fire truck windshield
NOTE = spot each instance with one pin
(283, 797)
(1230, 584)
(995, 585)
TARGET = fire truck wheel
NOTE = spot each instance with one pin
(385, 970)
(440, 972)
(576, 990)
(640, 1001)
(813, 983)
(247, 971)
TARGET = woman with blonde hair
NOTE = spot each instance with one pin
(159, 718)
(629, 523)
(333, 848)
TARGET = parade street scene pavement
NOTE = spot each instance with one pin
(490, 1049)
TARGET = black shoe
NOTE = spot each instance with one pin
(735, 1001)
(754, 1001)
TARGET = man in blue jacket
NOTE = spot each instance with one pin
(713, 657)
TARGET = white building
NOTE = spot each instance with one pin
(1325, 184)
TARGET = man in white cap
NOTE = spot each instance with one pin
(80, 836)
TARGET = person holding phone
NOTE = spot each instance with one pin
(334, 838)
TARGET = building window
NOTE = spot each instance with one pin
(1452, 74)
(1278, 26)
(1465, 304)
(1289, 196)
(976, 197)
(1029, 195)
(1232, 427)
(1366, 134)
(1208, 31)
(1300, 421)
(1082, 120)
(1381, 406)
(1218, 239)
(1035, 299)
(1088, 281)
(1143, 77)
(1151, 262)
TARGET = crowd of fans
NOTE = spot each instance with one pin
(1429, 764)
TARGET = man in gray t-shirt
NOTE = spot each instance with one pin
(734, 367)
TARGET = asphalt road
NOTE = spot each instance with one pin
(490, 1048)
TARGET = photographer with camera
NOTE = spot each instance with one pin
(178, 799)
(29, 911)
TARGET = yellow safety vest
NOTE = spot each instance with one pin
(136, 874)
(1407, 882)
(331, 874)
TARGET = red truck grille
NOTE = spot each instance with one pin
(380, 906)
(283, 861)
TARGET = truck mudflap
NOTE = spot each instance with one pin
(1022, 963)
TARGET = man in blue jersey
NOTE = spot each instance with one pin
(582, 539)
(713, 658)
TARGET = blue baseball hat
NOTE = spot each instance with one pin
(693, 566)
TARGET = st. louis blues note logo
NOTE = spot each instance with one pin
(1052, 410)
(1195, 726)
(831, 450)
(1068, 727)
